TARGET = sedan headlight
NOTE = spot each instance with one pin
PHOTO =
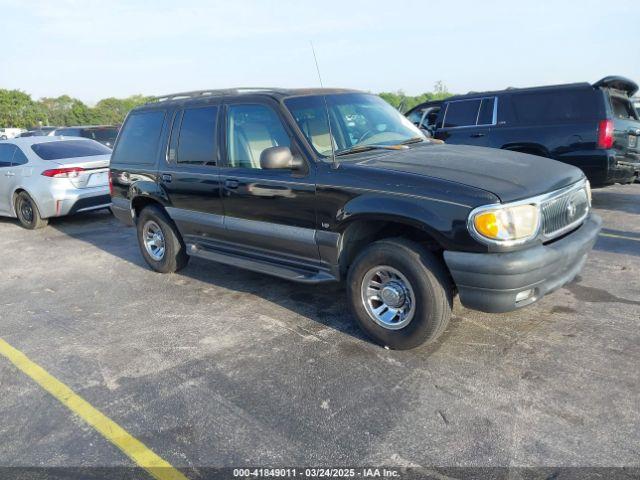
(505, 225)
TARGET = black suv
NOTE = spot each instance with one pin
(593, 127)
(257, 179)
(105, 134)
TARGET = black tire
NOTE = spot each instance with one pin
(28, 213)
(175, 257)
(428, 281)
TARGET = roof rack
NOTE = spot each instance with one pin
(207, 93)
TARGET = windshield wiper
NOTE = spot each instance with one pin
(364, 148)
(413, 140)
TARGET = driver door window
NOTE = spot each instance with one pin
(251, 129)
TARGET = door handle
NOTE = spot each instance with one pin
(9, 174)
(231, 183)
(166, 177)
(477, 135)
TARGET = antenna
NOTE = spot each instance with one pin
(315, 59)
(326, 108)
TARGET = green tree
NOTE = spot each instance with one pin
(113, 110)
(18, 110)
(405, 103)
(65, 110)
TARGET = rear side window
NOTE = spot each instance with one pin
(485, 117)
(6, 154)
(622, 108)
(138, 142)
(197, 140)
(462, 113)
(69, 149)
(558, 106)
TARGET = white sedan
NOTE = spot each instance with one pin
(43, 177)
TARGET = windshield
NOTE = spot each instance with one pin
(69, 149)
(357, 120)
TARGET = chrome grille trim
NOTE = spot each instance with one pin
(563, 212)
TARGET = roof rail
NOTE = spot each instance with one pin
(207, 93)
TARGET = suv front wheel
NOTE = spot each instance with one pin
(160, 242)
(400, 293)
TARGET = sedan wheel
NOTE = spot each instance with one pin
(28, 213)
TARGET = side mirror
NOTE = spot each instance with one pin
(278, 158)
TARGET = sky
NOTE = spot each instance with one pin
(96, 49)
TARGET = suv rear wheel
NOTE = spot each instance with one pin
(28, 213)
(160, 242)
(400, 294)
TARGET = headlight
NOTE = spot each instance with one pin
(504, 225)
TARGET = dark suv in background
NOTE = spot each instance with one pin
(593, 127)
(105, 134)
(257, 179)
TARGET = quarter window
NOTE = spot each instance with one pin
(462, 113)
(19, 158)
(558, 106)
(197, 140)
(138, 143)
(251, 129)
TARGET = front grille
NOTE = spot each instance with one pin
(562, 212)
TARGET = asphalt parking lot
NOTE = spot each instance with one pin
(221, 367)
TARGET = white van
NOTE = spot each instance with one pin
(6, 133)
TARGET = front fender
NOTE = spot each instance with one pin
(444, 221)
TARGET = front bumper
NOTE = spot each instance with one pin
(490, 282)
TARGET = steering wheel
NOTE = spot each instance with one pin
(365, 135)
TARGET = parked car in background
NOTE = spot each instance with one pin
(43, 177)
(38, 132)
(425, 115)
(105, 134)
(257, 179)
(6, 133)
(593, 127)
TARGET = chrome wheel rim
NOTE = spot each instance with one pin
(388, 297)
(153, 240)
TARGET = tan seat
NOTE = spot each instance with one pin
(249, 142)
(318, 131)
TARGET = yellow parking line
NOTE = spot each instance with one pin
(613, 235)
(132, 447)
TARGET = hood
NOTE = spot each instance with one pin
(509, 175)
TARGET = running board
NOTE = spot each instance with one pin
(287, 272)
